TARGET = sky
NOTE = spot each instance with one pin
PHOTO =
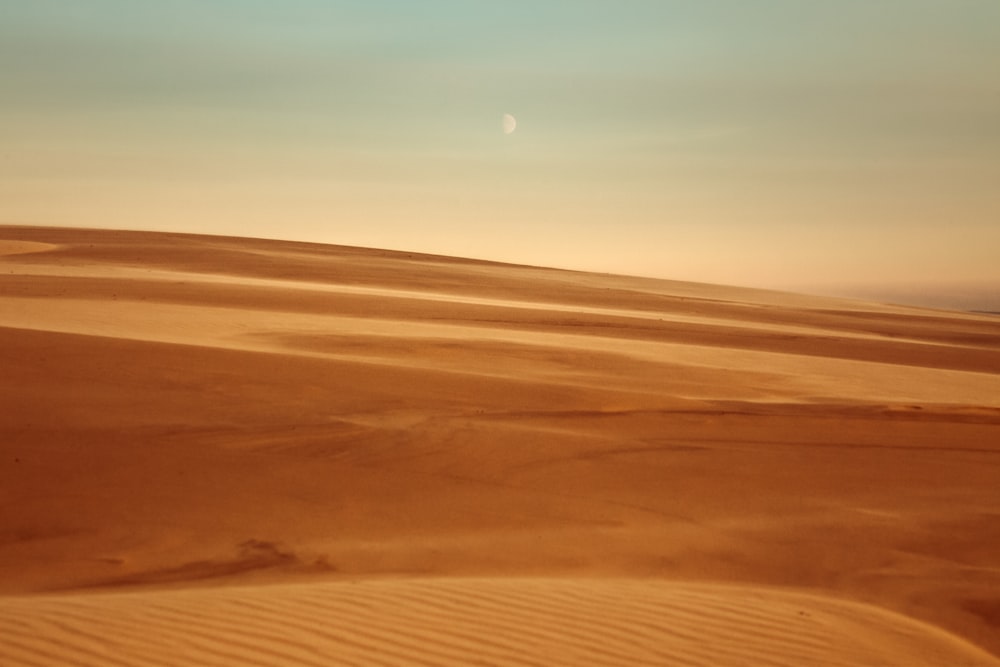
(797, 144)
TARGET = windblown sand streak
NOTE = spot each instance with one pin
(457, 621)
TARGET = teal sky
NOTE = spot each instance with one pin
(786, 143)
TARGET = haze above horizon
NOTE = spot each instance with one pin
(774, 144)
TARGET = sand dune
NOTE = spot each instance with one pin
(416, 459)
(459, 621)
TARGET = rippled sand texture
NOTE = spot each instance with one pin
(220, 451)
(460, 622)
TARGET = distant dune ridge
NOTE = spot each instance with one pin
(223, 451)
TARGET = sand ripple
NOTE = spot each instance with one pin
(455, 621)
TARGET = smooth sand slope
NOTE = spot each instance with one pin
(226, 451)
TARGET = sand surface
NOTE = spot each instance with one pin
(459, 621)
(236, 451)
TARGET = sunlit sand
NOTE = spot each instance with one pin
(233, 451)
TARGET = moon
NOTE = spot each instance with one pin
(509, 123)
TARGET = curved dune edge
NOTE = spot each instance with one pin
(24, 247)
(469, 621)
